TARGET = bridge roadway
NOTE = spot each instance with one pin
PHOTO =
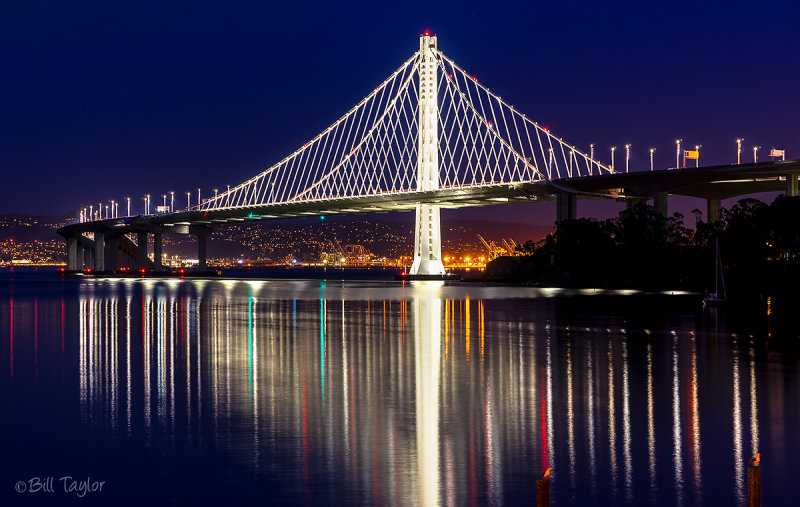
(712, 183)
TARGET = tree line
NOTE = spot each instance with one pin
(759, 245)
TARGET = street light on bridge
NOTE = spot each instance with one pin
(697, 160)
(739, 150)
(652, 150)
(627, 156)
(678, 153)
(188, 200)
(613, 148)
(591, 151)
(128, 199)
(113, 209)
(171, 201)
(755, 153)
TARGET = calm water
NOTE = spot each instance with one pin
(374, 393)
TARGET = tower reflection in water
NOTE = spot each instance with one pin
(421, 394)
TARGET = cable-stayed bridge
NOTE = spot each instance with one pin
(428, 137)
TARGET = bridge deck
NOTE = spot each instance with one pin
(713, 182)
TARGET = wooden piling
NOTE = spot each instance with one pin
(543, 493)
(753, 486)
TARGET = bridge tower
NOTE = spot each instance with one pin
(427, 230)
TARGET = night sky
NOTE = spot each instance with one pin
(101, 100)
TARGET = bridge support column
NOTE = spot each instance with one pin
(427, 229)
(72, 254)
(632, 202)
(157, 252)
(112, 254)
(202, 264)
(99, 251)
(791, 185)
(566, 207)
(661, 203)
(427, 242)
(712, 210)
(141, 250)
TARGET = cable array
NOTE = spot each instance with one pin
(373, 148)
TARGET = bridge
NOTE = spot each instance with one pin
(430, 136)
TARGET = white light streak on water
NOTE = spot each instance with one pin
(677, 450)
(626, 423)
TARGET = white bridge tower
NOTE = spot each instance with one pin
(427, 230)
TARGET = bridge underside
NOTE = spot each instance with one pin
(182, 222)
(712, 182)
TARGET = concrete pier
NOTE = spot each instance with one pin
(661, 203)
(141, 250)
(566, 207)
(72, 254)
(111, 254)
(712, 210)
(99, 251)
(202, 264)
(632, 202)
(157, 252)
(791, 185)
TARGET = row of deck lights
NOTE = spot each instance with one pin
(695, 155)
(89, 213)
(111, 210)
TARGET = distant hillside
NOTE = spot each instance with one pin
(27, 228)
(302, 238)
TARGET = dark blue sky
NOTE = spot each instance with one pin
(106, 99)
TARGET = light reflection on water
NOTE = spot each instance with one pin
(420, 394)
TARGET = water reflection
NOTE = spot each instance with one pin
(737, 426)
(677, 446)
(421, 394)
(427, 358)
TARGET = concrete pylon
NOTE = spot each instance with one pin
(427, 229)
(99, 251)
(791, 185)
(712, 210)
(566, 207)
(632, 202)
(141, 250)
(202, 263)
(158, 250)
(661, 203)
(72, 254)
(112, 254)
